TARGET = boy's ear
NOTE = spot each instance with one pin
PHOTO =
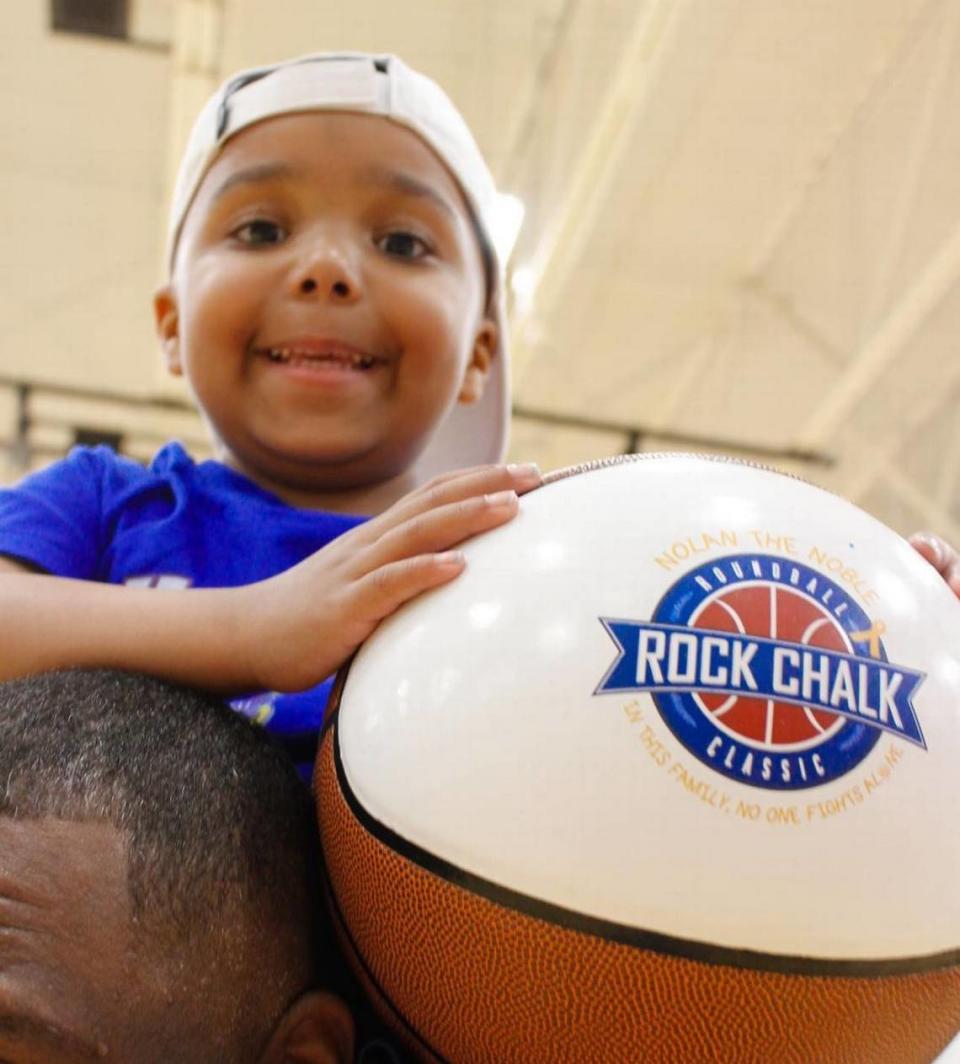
(167, 319)
(316, 1029)
(481, 358)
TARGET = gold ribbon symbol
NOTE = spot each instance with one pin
(871, 637)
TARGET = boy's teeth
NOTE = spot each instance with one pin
(286, 355)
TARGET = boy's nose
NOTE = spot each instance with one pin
(327, 275)
(340, 289)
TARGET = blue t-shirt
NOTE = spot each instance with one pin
(177, 524)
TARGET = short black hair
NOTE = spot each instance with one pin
(220, 829)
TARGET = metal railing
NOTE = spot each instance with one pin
(47, 418)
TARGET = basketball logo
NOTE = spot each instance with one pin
(767, 671)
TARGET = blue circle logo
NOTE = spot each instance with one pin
(767, 671)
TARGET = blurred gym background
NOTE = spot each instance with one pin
(735, 223)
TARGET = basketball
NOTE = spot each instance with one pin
(669, 773)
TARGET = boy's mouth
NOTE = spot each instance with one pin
(307, 356)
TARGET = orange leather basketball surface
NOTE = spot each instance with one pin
(477, 981)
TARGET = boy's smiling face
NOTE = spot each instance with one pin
(328, 303)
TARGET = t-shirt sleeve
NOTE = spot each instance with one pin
(54, 519)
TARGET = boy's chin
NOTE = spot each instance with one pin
(317, 477)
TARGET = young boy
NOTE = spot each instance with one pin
(334, 301)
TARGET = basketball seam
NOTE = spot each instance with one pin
(360, 959)
(655, 941)
(645, 456)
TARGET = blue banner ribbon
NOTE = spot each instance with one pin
(666, 657)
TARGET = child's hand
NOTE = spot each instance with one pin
(306, 622)
(941, 556)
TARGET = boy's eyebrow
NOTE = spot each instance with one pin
(408, 185)
(253, 175)
(395, 180)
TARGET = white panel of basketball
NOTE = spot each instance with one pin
(475, 730)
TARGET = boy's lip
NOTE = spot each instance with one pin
(307, 350)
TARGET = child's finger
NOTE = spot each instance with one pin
(451, 489)
(520, 469)
(437, 530)
(941, 556)
(932, 548)
(481, 480)
(384, 590)
(952, 576)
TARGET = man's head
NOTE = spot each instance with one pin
(335, 299)
(157, 856)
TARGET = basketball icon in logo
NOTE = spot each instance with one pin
(775, 613)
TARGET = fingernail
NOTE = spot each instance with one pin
(934, 544)
(452, 558)
(501, 498)
(525, 470)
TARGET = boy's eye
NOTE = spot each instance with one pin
(403, 245)
(259, 233)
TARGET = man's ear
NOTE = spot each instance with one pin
(481, 358)
(167, 319)
(316, 1029)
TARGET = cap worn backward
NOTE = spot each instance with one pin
(382, 85)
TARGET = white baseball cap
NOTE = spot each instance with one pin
(380, 85)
